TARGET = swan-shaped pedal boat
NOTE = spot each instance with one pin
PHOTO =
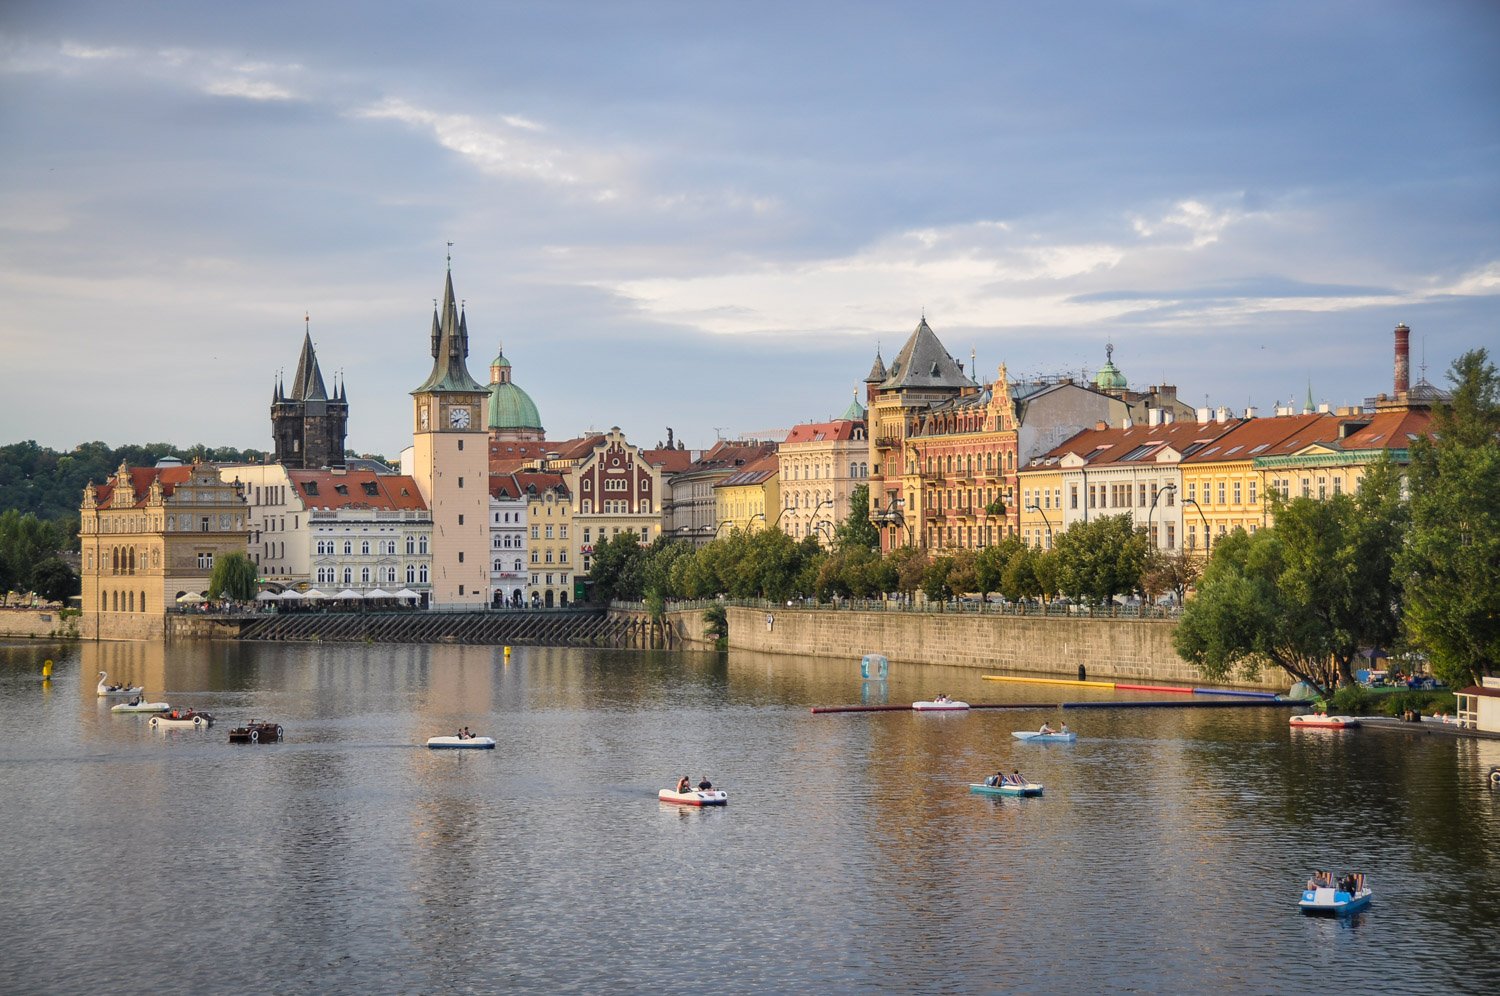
(1007, 788)
(1033, 737)
(1319, 721)
(461, 743)
(1323, 895)
(181, 719)
(139, 705)
(941, 705)
(694, 797)
(108, 691)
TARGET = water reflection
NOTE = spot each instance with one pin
(1166, 853)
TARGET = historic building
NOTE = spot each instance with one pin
(511, 414)
(615, 489)
(921, 375)
(509, 570)
(690, 511)
(821, 463)
(308, 426)
(149, 536)
(336, 531)
(961, 459)
(749, 495)
(450, 462)
(552, 542)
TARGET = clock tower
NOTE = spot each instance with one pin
(451, 462)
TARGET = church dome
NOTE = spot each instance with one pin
(511, 409)
(855, 412)
(1109, 377)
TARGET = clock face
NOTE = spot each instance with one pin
(459, 417)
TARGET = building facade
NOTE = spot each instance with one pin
(820, 464)
(510, 572)
(149, 536)
(307, 426)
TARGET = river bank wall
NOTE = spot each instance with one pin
(1114, 649)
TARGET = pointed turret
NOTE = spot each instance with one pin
(450, 348)
(877, 370)
(924, 363)
(307, 385)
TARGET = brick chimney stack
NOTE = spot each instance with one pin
(1403, 360)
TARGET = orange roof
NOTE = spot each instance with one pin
(1268, 437)
(140, 480)
(1138, 444)
(537, 482)
(356, 489)
(1390, 430)
(670, 460)
(817, 432)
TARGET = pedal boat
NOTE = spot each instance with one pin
(461, 743)
(709, 797)
(1030, 788)
(1033, 737)
(108, 691)
(257, 732)
(1318, 721)
(1333, 901)
(187, 719)
(948, 706)
(141, 707)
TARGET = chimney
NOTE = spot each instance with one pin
(1153, 417)
(1168, 417)
(1222, 414)
(1127, 422)
(1203, 415)
(1323, 408)
(1251, 412)
(1403, 360)
(1100, 426)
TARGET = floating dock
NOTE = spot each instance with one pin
(908, 708)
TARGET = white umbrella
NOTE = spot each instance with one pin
(289, 596)
(189, 596)
(407, 593)
(267, 596)
(348, 593)
(377, 593)
(313, 593)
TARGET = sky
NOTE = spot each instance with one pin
(709, 216)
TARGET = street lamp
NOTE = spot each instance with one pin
(1207, 539)
(826, 528)
(1038, 510)
(1164, 489)
(721, 526)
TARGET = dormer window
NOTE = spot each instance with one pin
(311, 487)
(370, 488)
(342, 489)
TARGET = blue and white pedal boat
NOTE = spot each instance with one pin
(461, 743)
(1030, 788)
(1335, 901)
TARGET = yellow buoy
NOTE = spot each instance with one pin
(46, 669)
(507, 655)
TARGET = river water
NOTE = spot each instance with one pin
(1165, 856)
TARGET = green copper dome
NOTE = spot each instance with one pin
(855, 412)
(510, 407)
(1109, 377)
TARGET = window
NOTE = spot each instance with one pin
(562, 531)
(411, 573)
(460, 482)
(1236, 492)
(1221, 492)
(1171, 535)
(1254, 500)
(460, 519)
(205, 561)
(364, 575)
(348, 547)
(411, 545)
(536, 532)
(422, 545)
(348, 575)
(422, 574)
(364, 548)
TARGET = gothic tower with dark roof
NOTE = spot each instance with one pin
(307, 425)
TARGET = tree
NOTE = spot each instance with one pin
(935, 579)
(1173, 572)
(54, 580)
(1450, 566)
(25, 542)
(617, 566)
(1305, 595)
(990, 564)
(857, 532)
(909, 564)
(234, 577)
(1100, 559)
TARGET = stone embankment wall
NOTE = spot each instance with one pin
(37, 624)
(1131, 650)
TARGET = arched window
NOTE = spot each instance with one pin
(348, 548)
(422, 574)
(499, 566)
(411, 545)
(364, 548)
(422, 545)
(348, 575)
(411, 573)
(364, 575)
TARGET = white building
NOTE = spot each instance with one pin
(509, 571)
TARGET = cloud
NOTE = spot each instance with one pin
(1201, 223)
(249, 89)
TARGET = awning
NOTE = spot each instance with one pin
(267, 596)
(190, 596)
(289, 596)
(378, 593)
(348, 593)
(407, 593)
(312, 593)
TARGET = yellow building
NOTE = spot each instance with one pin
(552, 541)
(750, 498)
(149, 536)
(1040, 487)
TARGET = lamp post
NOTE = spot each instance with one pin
(1038, 510)
(826, 528)
(1207, 539)
(1163, 490)
(721, 526)
(812, 524)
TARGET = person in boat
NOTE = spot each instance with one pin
(135, 701)
(1063, 729)
(1016, 778)
(1046, 729)
(705, 785)
(684, 784)
(998, 778)
(940, 697)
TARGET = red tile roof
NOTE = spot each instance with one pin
(1268, 437)
(756, 472)
(817, 432)
(140, 480)
(1138, 444)
(671, 461)
(1390, 430)
(356, 489)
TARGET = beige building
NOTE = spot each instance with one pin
(149, 536)
(750, 498)
(820, 464)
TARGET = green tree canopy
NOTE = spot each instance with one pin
(1101, 558)
(54, 580)
(1450, 566)
(857, 532)
(234, 576)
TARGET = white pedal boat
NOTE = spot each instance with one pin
(461, 743)
(940, 705)
(186, 719)
(1033, 737)
(695, 797)
(1342, 897)
(1321, 722)
(109, 691)
(141, 707)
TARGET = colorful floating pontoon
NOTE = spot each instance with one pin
(1320, 721)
